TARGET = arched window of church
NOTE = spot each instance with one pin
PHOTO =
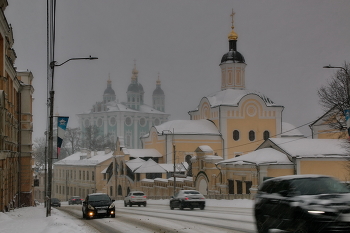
(189, 162)
(236, 135)
(266, 134)
(251, 135)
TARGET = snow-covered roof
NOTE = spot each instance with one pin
(150, 167)
(188, 127)
(232, 97)
(142, 153)
(81, 158)
(206, 148)
(289, 130)
(262, 156)
(181, 167)
(135, 163)
(115, 106)
(306, 147)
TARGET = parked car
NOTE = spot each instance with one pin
(75, 200)
(55, 202)
(98, 204)
(187, 199)
(303, 203)
(135, 198)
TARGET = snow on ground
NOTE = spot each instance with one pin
(34, 220)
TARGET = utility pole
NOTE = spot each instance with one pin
(174, 152)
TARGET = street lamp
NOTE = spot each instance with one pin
(53, 64)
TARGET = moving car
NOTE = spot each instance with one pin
(55, 202)
(303, 203)
(98, 204)
(75, 200)
(135, 198)
(187, 199)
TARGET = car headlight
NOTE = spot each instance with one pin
(90, 207)
(315, 212)
(111, 206)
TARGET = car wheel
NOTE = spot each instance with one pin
(171, 207)
(138, 205)
(125, 205)
(192, 207)
(144, 205)
(260, 225)
(202, 207)
(113, 216)
(130, 204)
(181, 206)
(84, 215)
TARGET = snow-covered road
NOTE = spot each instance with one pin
(218, 216)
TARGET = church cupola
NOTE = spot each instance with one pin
(158, 97)
(232, 64)
(109, 94)
(135, 91)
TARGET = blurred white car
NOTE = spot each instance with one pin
(135, 198)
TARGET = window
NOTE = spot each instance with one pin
(83, 175)
(93, 176)
(87, 175)
(251, 135)
(79, 175)
(236, 135)
(266, 135)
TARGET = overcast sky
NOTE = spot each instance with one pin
(285, 45)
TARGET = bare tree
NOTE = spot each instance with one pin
(92, 138)
(39, 151)
(72, 140)
(335, 96)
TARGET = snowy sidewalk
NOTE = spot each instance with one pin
(34, 220)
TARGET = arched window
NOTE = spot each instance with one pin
(266, 135)
(189, 162)
(236, 135)
(251, 135)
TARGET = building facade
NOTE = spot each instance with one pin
(16, 90)
(131, 119)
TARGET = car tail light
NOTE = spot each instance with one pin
(145, 196)
(186, 198)
(73, 199)
(132, 197)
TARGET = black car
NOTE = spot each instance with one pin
(55, 202)
(75, 200)
(187, 199)
(303, 203)
(98, 204)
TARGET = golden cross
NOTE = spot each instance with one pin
(233, 13)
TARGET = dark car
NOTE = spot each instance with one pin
(75, 200)
(55, 202)
(303, 203)
(98, 204)
(135, 198)
(187, 199)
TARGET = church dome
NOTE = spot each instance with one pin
(234, 56)
(109, 91)
(158, 91)
(135, 87)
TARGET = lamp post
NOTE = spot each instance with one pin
(347, 110)
(53, 64)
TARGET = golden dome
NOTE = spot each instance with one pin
(232, 35)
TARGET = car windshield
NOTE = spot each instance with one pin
(99, 198)
(319, 185)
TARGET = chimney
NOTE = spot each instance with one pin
(107, 150)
